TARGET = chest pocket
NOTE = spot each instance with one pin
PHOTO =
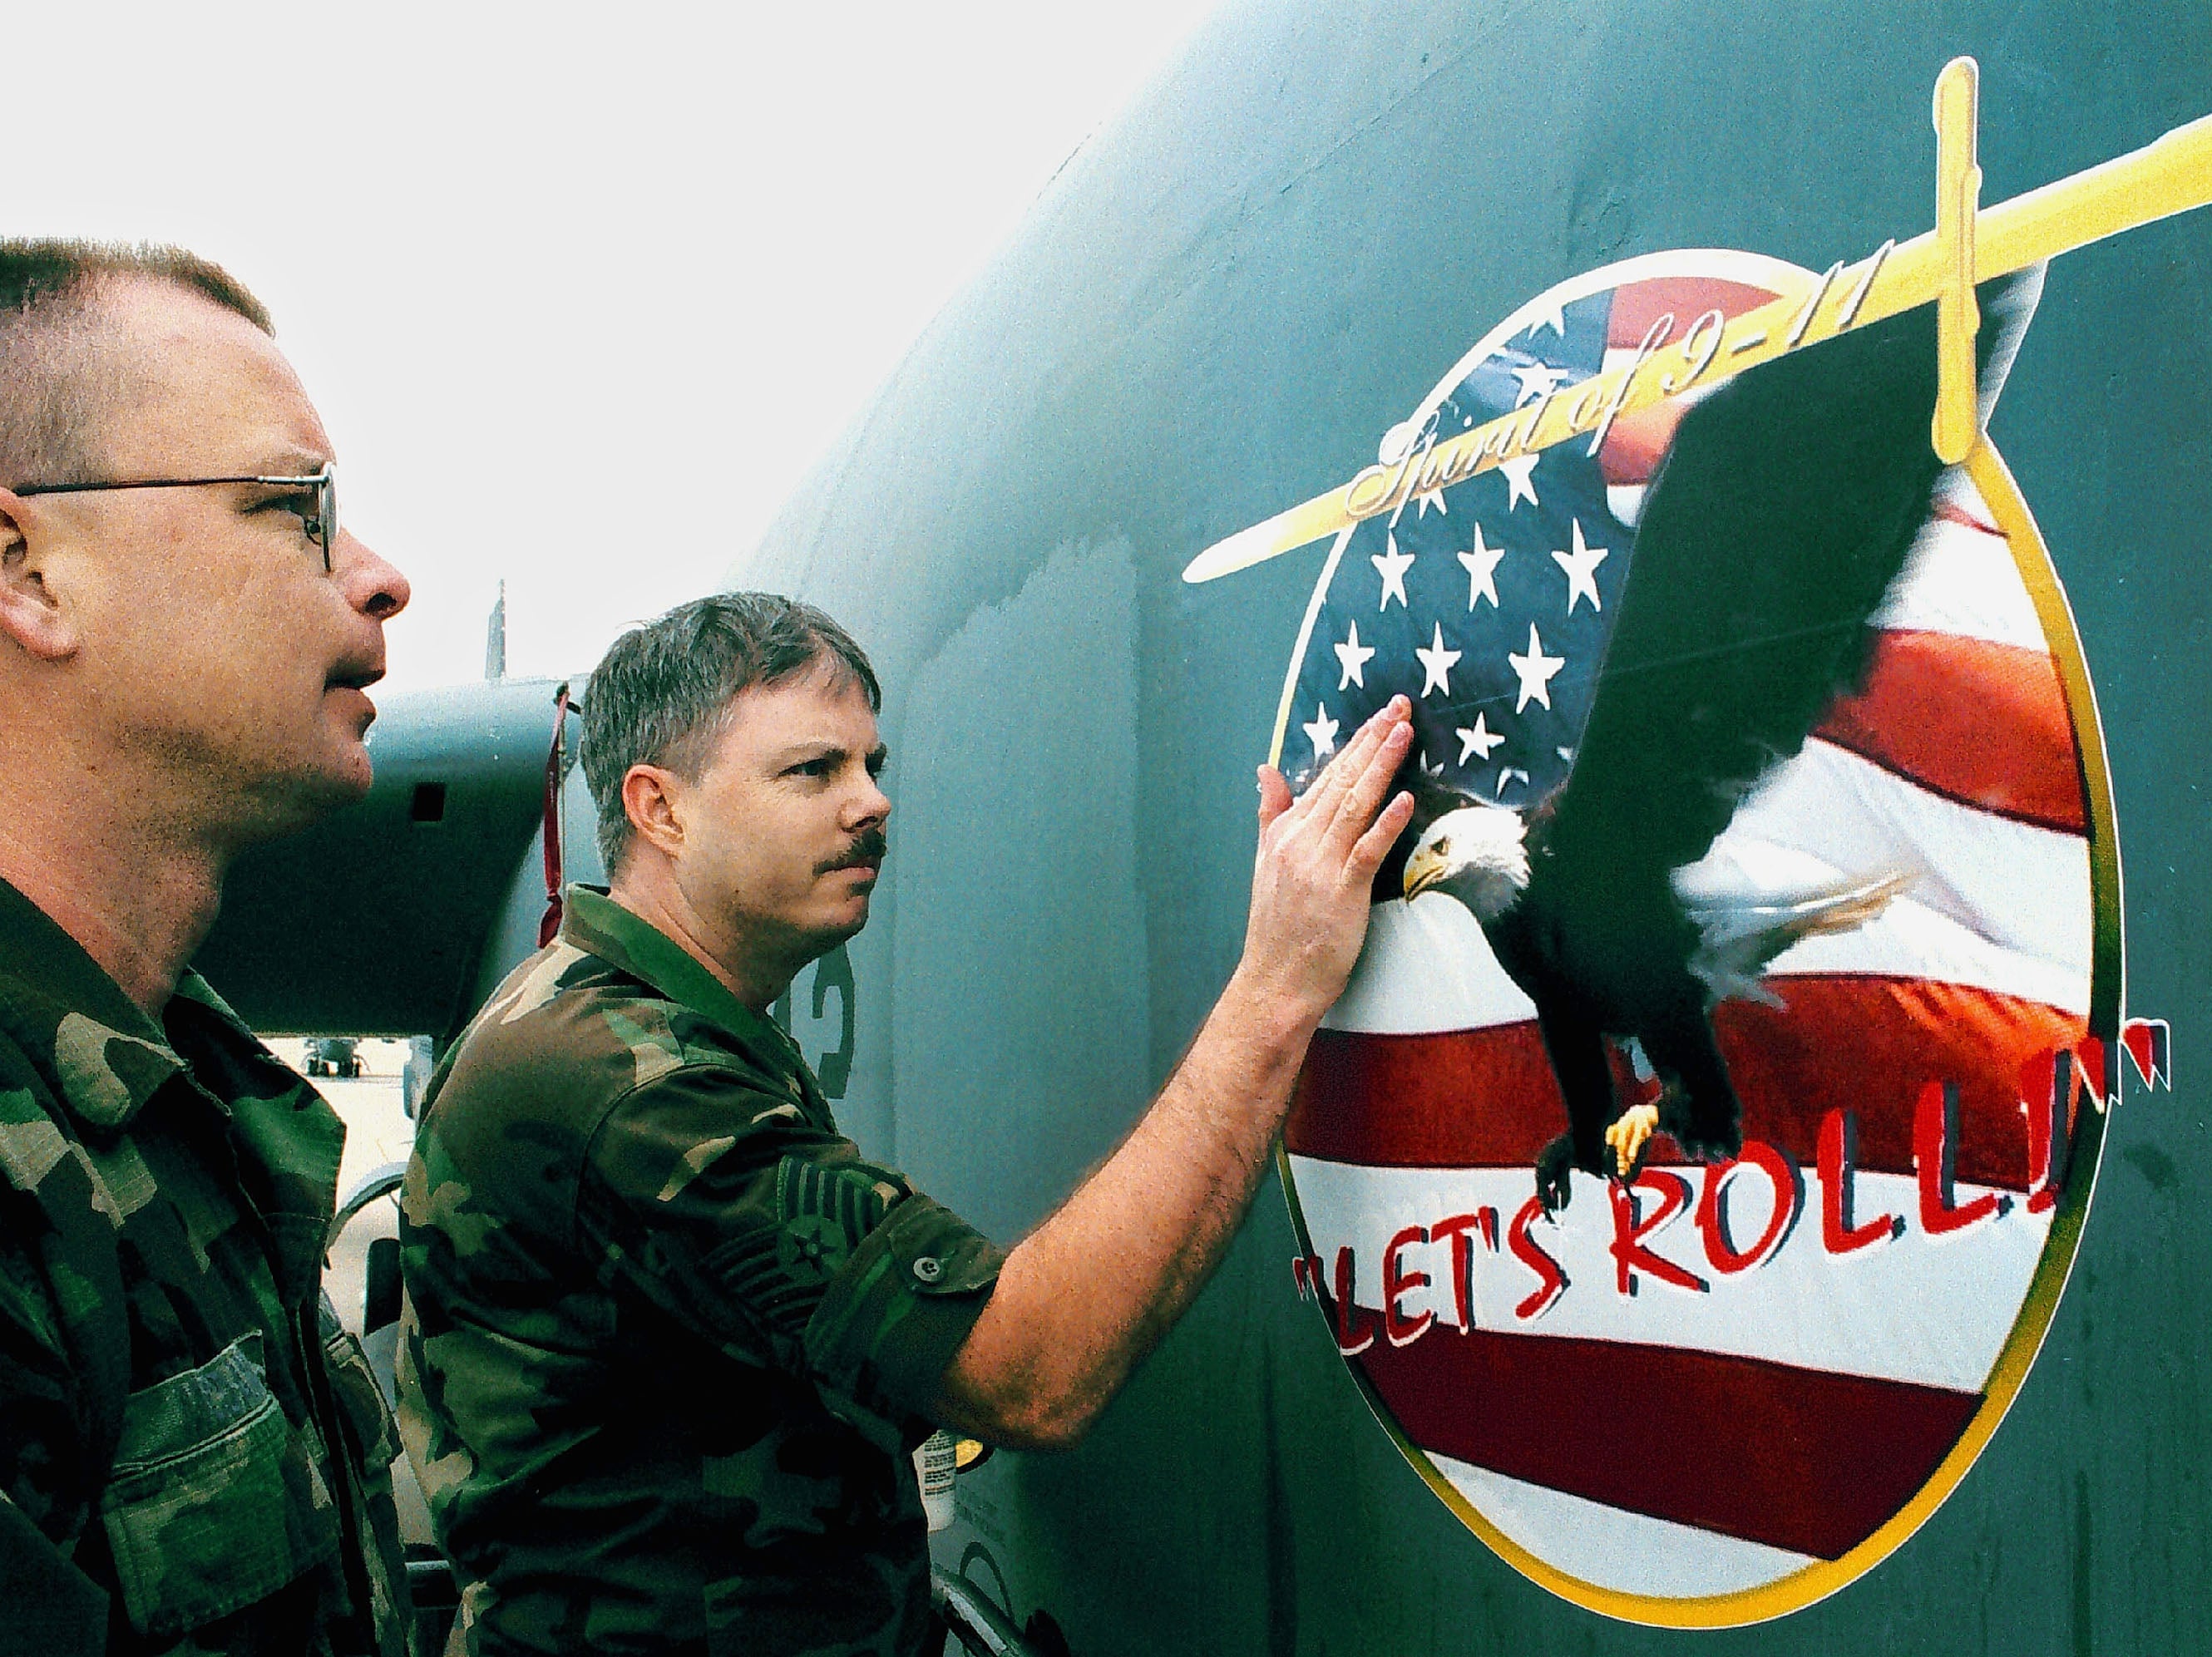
(213, 1502)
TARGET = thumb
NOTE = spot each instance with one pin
(1274, 796)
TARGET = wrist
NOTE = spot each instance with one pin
(1272, 1015)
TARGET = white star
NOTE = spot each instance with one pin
(1428, 770)
(1354, 656)
(1581, 566)
(1534, 671)
(1520, 480)
(1477, 741)
(1555, 320)
(1437, 664)
(1507, 777)
(1481, 568)
(1435, 498)
(1321, 733)
(1538, 380)
(1392, 566)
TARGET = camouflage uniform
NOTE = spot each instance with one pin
(173, 1381)
(668, 1333)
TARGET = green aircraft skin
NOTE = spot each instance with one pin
(1211, 313)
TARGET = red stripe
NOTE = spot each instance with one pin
(1633, 447)
(1640, 304)
(1980, 723)
(1486, 1098)
(1635, 442)
(1951, 513)
(1806, 1459)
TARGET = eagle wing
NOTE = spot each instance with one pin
(1782, 511)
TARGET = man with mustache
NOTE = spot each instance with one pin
(672, 1338)
(192, 1455)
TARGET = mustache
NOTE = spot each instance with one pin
(870, 845)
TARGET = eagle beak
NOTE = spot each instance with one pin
(1423, 869)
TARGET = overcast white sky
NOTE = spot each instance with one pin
(580, 293)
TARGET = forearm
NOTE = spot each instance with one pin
(1059, 1336)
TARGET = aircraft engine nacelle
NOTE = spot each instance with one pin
(396, 915)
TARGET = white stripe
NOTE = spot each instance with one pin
(1963, 580)
(1612, 1548)
(1620, 356)
(1931, 1310)
(2022, 888)
(1908, 939)
(1995, 905)
(1625, 502)
(1426, 967)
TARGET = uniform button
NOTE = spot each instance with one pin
(928, 1268)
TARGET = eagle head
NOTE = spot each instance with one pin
(1478, 853)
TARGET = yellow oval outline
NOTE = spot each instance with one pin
(2040, 1305)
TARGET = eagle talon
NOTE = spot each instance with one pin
(1555, 1175)
(1630, 1137)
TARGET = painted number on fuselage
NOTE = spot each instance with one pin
(833, 1068)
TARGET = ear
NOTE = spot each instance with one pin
(32, 613)
(652, 799)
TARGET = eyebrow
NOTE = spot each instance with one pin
(823, 748)
(297, 464)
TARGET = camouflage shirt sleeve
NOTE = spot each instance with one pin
(42, 1512)
(726, 1206)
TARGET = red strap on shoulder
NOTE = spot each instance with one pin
(550, 924)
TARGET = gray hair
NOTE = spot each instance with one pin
(60, 376)
(662, 695)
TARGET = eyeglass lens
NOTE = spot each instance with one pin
(326, 514)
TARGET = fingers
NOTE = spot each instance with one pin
(1351, 763)
(1365, 787)
(1374, 845)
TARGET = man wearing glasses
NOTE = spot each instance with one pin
(192, 1455)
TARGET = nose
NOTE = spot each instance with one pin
(373, 586)
(872, 806)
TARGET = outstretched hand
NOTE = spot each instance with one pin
(1318, 854)
(1057, 1339)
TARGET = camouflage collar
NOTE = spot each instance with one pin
(595, 923)
(101, 1055)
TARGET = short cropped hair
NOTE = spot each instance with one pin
(56, 384)
(662, 695)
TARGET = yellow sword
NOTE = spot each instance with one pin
(2169, 176)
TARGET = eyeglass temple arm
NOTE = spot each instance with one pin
(303, 478)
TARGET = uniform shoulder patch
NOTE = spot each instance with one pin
(825, 1209)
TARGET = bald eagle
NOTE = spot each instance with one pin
(1782, 512)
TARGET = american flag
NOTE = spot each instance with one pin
(1733, 1389)
(1488, 602)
